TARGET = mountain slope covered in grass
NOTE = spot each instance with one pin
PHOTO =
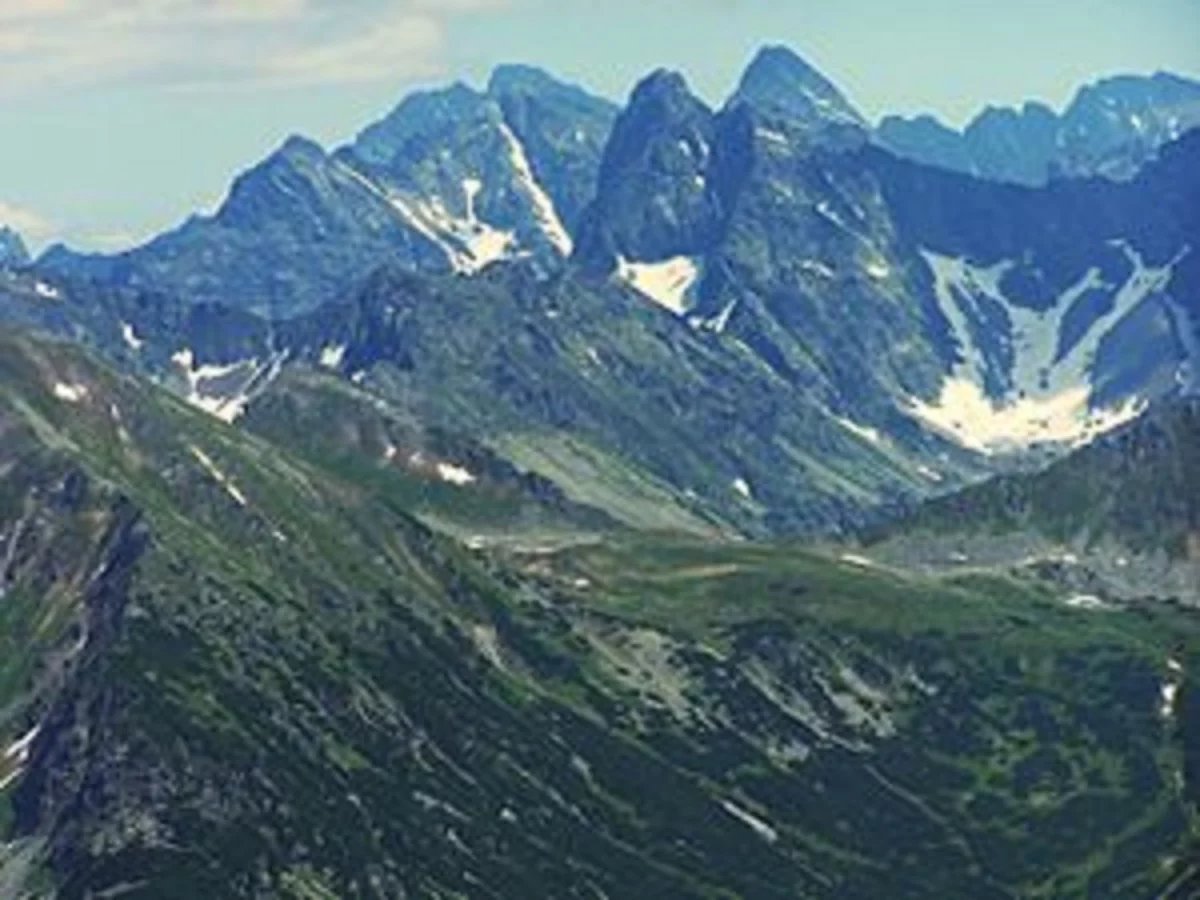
(236, 670)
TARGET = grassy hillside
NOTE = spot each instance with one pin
(257, 673)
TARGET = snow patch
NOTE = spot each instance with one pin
(10, 777)
(453, 474)
(871, 435)
(1048, 400)
(829, 109)
(47, 291)
(226, 407)
(469, 244)
(218, 476)
(742, 486)
(761, 828)
(878, 270)
(487, 641)
(816, 267)
(670, 283)
(932, 474)
(543, 207)
(132, 341)
(965, 413)
(1169, 692)
(860, 562)
(720, 323)
(70, 393)
(471, 190)
(716, 324)
(1088, 602)
(332, 356)
(826, 211)
(19, 749)
(774, 138)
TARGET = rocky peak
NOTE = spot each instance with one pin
(12, 248)
(516, 78)
(563, 130)
(1111, 128)
(1115, 125)
(255, 194)
(779, 83)
(653, 199)
(416, 117)
(663, 116)
(300, 150)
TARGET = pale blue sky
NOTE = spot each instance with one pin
(119, 117)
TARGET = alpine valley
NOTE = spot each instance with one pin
(540, 497)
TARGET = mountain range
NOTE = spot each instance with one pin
(1111, 129)
(544, 497)
(619, 287)
(450, 181)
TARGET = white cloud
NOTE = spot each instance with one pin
(47, 43)
(408, 39)
(31, 225)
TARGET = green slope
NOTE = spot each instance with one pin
(257, 674)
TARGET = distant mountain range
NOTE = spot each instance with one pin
(450, 181)
(456, 179)
(1111, 129)
(778, 325)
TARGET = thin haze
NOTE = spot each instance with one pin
(121, 117)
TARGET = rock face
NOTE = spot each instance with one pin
(776, 325)
(1110, 129)
(451, 181)
(783, 87)
(1003, 318)
(12, 249)
(655, 197)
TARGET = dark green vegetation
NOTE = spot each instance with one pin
(257, 674)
